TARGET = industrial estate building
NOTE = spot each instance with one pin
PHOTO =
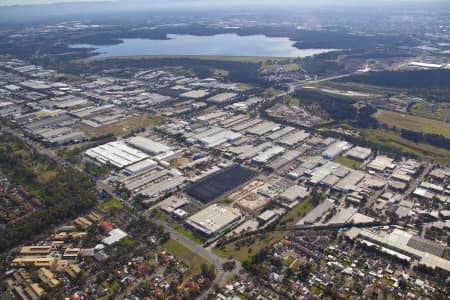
(117, 154)
(404, 246)
(213, 220)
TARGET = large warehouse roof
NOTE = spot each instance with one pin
(216, 136)
(315, 214)
(213, 219)
(147, 145)
(427, 251)
(116, 153)
(223, 97)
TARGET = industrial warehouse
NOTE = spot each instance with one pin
(213, 220)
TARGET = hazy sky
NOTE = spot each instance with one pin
(228, 2)
(29, 2)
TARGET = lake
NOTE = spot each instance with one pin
(218, 45)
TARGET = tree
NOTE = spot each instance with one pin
(403, 284)
(315, 197)
(173, 287)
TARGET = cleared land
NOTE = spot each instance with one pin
(122, 127)
(187, 233)
(414, 123)
(437, 111)
(295, 214)
(347, 162)
(357, 95)
(395, 141)
(111, 204)
(270, 68)
(186, 256)
(245, 249)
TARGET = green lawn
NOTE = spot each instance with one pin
(157, 214)
(180, 228)
(316, 291)
(183, 254)
(111, 204)
(394, 140)
(128, 242)
(124, 126)
(187, 233)
(244, 249)
(247, 250)
(347, 162)
(245, 86)
(415, 123)
(438, 111)
(288, 261)
(296, 213)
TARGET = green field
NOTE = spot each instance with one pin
(437, 111)
(248, 249)
(288, 261)
(111, 204)
(296, 213)
(124, 126)
(414, 123)
(347, 162)
(244, 249)
(183, 254)
(270, 68)
(394, 140)
(187, 233)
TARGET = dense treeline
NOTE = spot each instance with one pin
(435, 95)
(65, 192)
(336, 107)
(365, 119)
(430, 138)
(421, 79)
(245, 72)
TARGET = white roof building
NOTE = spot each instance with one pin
(213, 219)
(294, 193)
(335, 149)
(147, 145)
(116, 153)
(143, 165)
(359, 153)
(115, 236)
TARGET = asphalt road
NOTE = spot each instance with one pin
(221, 276)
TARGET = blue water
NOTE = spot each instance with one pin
(221, 44)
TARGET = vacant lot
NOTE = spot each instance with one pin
(414, 123)
(438, 111)
(394, 140)
(244, 249)
(186, 256)
(187, 233)
(111, 204)
(347, 162)
(295, 214)
(122, 127)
